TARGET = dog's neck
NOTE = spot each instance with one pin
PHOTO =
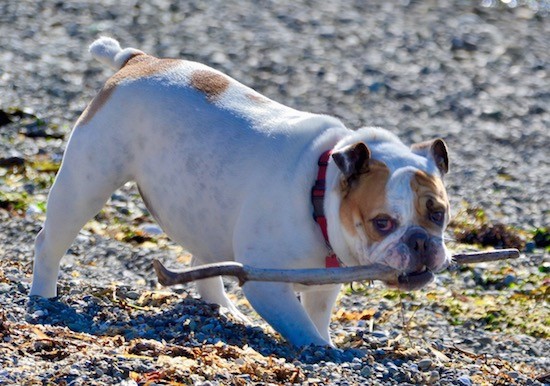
(318, 201)
(331, 210)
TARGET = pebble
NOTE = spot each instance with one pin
(509, 280)
(151, 229)
(13, 158)
(366, 371)
(433, 377)
(464, 381)
(39, 313)
(392, 368)
(380, 352)
(130, 382)
(33, 210)
(380, 334)
(4, 287)
(425, 364)
(134, 295)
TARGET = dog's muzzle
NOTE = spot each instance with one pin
(422, 252)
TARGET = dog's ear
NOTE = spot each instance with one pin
(436, 150)
(352, 160)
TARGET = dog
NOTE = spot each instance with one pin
(228, 173)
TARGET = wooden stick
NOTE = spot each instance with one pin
(246, 273)
(480, 257)
(318, 276)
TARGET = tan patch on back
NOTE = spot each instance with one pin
(138, 66)
(213, 84)
(427, 188)
(365, 200)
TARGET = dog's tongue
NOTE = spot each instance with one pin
(415, 280)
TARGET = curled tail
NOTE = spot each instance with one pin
(107, 50)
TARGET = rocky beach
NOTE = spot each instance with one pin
(474, 73)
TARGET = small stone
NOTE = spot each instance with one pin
(151, 229)
(39, 129)
(133, 295)
(536, 110)
(313, 380)
(33, 210)
(392, 368)
(433, 377)
(530, 247)
(485, 341)
(128, 382)
(119, 197)
(465, 44)
(13, 158)
(464, 381)
(513, 374)
(509, 280)
(380, 334)
(75, 371)
(425, 364)
(4, 288)
(123, 210)
(366, 371)
(376, 86)
(5, 118)
(422, 351)
(29, 188)
(492, 114)
(39, 313)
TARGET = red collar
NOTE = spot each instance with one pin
(318, 199)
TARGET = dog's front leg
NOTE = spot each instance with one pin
(278, 305)
(318, 302)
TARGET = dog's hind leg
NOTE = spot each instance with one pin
(90, 172)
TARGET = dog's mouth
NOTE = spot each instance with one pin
(413, 280)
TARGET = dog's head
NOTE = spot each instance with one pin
(394, 206)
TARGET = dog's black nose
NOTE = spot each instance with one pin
(417, 241)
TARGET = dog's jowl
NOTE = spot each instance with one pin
(228, 173)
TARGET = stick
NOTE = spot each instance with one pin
(480, 257)
(317, 276)
(246, 273)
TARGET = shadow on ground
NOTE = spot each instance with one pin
(189, 323)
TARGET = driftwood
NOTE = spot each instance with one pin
(316, 276)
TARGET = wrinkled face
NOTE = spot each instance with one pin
(397, 219)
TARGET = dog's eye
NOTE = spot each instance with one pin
(384, 225)
(437, 217)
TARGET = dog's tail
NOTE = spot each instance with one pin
(107, 50)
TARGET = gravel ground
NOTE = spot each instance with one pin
(474, 73)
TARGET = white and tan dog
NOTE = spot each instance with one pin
(228, 174)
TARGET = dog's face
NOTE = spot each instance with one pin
(395, 213)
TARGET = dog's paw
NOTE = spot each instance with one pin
(235, 314)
